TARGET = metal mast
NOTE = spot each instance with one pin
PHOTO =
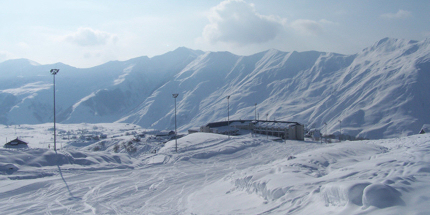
(228, 116)
(176, 138)
(54, 72)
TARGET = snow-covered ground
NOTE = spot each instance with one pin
(210, 174)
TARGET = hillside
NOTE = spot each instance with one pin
(380, 92)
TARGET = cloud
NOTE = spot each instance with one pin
(4, 56)
(23, 45)
(327, 22)
(237, 22)
(90, 37)
(308, 27)
(401, 14)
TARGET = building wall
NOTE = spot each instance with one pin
(300, 132)
(293, 132)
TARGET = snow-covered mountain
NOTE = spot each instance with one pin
(100, 94)
(382, 91)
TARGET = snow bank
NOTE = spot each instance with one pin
(345, 178)
(34, 163)
(381, 196)
(212, 174)
(206, 145)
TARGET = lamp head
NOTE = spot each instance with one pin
(54, 71)
(175, 95)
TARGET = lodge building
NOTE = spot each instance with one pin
(281, 129)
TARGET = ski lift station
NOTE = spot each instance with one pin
(281, 129)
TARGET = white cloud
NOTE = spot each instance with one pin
(327, 22)
(237, 22)
(401, 14)
(308, 27)
(90, 37)
(23, 45)
(4, 56)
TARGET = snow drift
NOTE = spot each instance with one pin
(214, 174)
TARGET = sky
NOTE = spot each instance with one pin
(84, 33)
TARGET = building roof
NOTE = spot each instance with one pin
(425, 129)
(281, 124)
(275, 124)
(16, 143)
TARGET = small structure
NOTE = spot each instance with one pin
(425, 129)
(314, 133)
(15, 144)
(165, 133)
(193, 130)
(141, 135)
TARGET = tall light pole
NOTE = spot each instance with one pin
(54, 72)
(325, 124)
(267, 130)
(340, 130)
(176, 138)
(255, 111)
(228, 116)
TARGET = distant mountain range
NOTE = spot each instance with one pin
(382, 91)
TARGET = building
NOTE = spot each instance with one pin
(193, 130)
(165, 133)
(15, 144)
(425, 129)
(220, 128)
(281, 129)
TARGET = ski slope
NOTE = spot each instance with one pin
(212, 174)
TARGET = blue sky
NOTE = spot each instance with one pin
(88, 33)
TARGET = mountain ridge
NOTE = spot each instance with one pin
(378, 92)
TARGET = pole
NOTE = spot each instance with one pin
(54, 72)
(55, 133)
(267, 126)
(176, 138)
(340, 130)
(176, 135)
(325, 124)
(228, 116)
(255, 111)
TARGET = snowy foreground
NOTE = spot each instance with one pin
(211, 174)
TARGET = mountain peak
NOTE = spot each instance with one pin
(185, 51)
(20, 61)
(388, 44)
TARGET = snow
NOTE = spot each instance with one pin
(379, 92)
(210, 174)
(28, 88)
